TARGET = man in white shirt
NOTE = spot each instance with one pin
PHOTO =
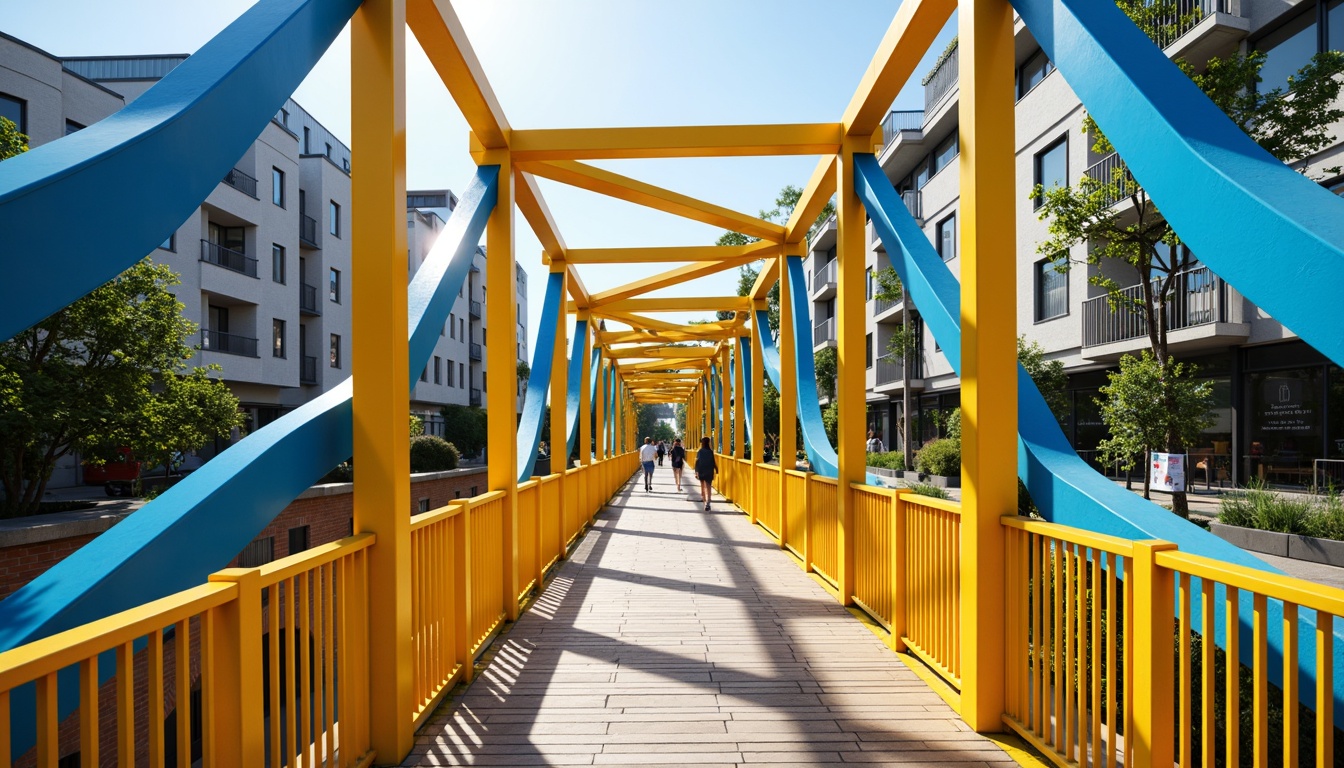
(647, 453)
(874, 443)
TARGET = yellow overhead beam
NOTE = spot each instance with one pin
(577, 289)
(438, 30)
(676, 304)
(527, 195)
(665, 365)
(677, 141)
(816, 193)
(634, 191)
(911, 33)
(661, 352)
(765, 279)
(661, 337)
(648, 323)
(672, 277)
(666, 254)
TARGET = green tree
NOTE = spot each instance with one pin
(465, 428)
(830, 420)
(1047, 374)
(827, 365)
(904, 342)
(107, 372)
(1148, 405)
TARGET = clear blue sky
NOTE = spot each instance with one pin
(579, 63)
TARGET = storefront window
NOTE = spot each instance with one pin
(1286, 420)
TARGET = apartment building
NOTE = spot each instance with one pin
(264, 261)
(1279, 404)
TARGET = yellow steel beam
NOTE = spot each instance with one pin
(911, 33)
(666, 365)
(677, 304)
(765, 279)
(686, 353)
(677, 141)
(436, 26)
(634, 191)
(577, 290)
(662, 337)
(671, 277)
(816, 193)
(533, 207)
(648, 323)
(666, 254)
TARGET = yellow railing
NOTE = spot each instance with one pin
(930, 530)
(875, 548)
(795, 514)
(276, 658)
(767, 508)
(823, 527)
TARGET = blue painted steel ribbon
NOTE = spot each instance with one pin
(543, 353)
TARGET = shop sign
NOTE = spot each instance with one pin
(1167, 472)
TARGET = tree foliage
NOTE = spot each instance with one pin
(1048, 375)
(827, 365)
(465, 427)
(431, 453)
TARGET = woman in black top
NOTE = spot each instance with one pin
(705, 469)
(678, 455)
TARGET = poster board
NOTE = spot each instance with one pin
(1167, 472)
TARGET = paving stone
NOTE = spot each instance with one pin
(675, 637)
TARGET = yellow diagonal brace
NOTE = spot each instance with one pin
(666, 365)
(645, 322)
(765, 279)
(439, 32)
(678, 304)
(819, 188)
(532, 205)
(911, 33)
(667, 254)
(637, 192)
(677, 141)
(671, 277)
(577, 290)
(660, 352)
(663, 337)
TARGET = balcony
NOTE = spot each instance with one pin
(475, 398)
(474, 352)
(308, 370)
(241, 182)
(891, 368)
(308, 303)
(308, 235)
(474, 307)
(1111, 170)
(228, 343)
(901, 120)
(940, 81)
(882, 306)
(1203, 311)
(824, 279)
(823, 333)
(228, 258)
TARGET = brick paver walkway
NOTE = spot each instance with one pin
(679, 637)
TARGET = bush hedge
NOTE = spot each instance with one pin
(940, 457)
(887, 460)
(431, 453)
(1258, 507)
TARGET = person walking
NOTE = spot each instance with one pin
(678, 456)
(705, 469)
(662, 449)
(647, 453)
(874, 443)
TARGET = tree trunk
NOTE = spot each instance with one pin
(1147, 475)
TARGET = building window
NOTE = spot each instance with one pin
(868, 284)
(923, 173)
(334, 285)
(334, 213)
(946, 152)
(335, 351)
(438, 370)
(277, 338)
(298, 539)
(424, 373)
(15, 110)
(452, 325)
(328, 149)
(278, 187)
(170, 244)
(424, 504)
(1052, 167)
(947, 238)
(450, 373)
(1052, 288)
(1032, 72)
(1289, 48)
(258, 553)
(307, 140)
(868, 351)
(462, 375)
(72, 127)
(278, 263)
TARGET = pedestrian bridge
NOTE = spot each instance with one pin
(1067, 631)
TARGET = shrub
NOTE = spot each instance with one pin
(887, 460)
(925, 489)
(940, 457)
(1258, 507)
(431, 453)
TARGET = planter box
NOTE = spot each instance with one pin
(882, 472)
(1268, 542)
(910, 475)
(1326, 551)
(943, 481)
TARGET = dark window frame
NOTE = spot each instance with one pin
(1042, 269)
(1036, 165)
(942, 226)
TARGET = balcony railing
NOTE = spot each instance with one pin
(228, 258)
(1198, 298)
(308, 299)
(1111, 169)
(475, 396)
(942, 80)
(824, 274)
(308, 370)
(474, 307)
(882, 305)
(474, 351)
(890, 368)
(1186, 14)
(308, 231)
(241, 182)
(823, 332)
(228, 343)
(901, 120)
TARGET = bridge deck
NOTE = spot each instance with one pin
(680, 637)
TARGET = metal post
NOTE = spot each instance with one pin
(501, 341)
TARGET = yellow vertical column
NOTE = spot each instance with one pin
(988, 349)
(757, 410)
(851, 253)
(378, 356)
(560, 401)
(788, 391)
(501, 340)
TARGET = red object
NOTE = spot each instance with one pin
(126, 470)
